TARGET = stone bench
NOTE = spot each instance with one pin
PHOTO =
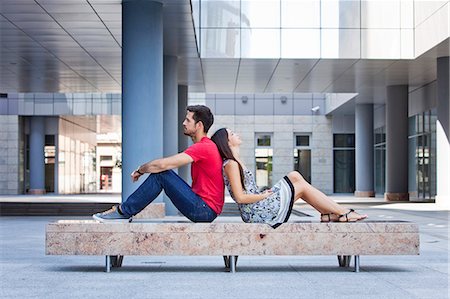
(115, 240)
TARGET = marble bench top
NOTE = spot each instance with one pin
(89, 237)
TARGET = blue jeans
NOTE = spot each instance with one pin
(185, 200)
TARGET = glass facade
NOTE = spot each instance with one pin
(422, 156)
(344, 163)
(263, 160)
(380, 160)
(302, 156)
(305, 29)
(76, 155)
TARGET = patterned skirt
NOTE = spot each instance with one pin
(273, 210)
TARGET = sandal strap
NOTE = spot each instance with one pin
(346, 215)
(328, 215)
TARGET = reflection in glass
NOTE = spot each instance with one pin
(380, 160)
(344, 171)
(422, 156)
(76, 155)
(260, 43)
(260, 13)
(341, 43)
(263, 162)
(340, 14)
(344, 163)
(302, 156)
(220, 43)
(300, 14)
(220, 14)
(300, 43)
(380, 14)
(380, 43)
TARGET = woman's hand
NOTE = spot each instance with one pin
(267, 193)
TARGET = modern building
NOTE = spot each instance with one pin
(352, 93)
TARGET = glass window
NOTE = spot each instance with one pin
(340, 14)
(220, 43)
(344, 171)
(260, 43)
(421, 156)
(302, 140)
(341, 43)
(300, 14)
(302, 156)
(380, 168)
(344, 163)
(105, 158)
(260, 13)
(412, 126)
(374, 43)
(300, 43)
(263, 140)
(380, 14)
(220, 14)
(263, 162)
(379, 136)
(344, 140)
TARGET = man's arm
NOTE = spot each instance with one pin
(163, 164)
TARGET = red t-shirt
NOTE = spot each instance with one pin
(206, 172)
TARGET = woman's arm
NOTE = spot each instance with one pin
(232, 172)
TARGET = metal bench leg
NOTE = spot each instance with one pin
(344, 260)
(108, 264)
(233, 261)
(226, 260)
(116, 261)
(356, 263)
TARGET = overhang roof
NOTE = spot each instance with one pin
(75, 46)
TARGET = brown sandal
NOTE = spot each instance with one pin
(330, 217)
(349, 219)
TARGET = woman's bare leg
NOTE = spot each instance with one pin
(316, 198)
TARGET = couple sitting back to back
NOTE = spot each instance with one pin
(215, 162)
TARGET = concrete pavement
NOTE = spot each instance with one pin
(26, 272)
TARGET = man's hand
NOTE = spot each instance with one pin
(135, 176)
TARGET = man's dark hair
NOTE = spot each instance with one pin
(203, 114)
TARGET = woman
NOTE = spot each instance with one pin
(272, 206)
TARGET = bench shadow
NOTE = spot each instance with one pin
(221, 269)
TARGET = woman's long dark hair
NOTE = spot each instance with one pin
(220, 138)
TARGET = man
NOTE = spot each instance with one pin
(201, 203)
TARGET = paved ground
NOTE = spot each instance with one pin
(26, 272)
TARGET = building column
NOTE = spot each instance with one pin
(364, 150)
(36, 157)
(443, 133)
(142, 87)
(171, 125)
(397, 143)
(183, 140)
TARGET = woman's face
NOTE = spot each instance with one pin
(233, 139)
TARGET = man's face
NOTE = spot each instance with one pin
(189, 125)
